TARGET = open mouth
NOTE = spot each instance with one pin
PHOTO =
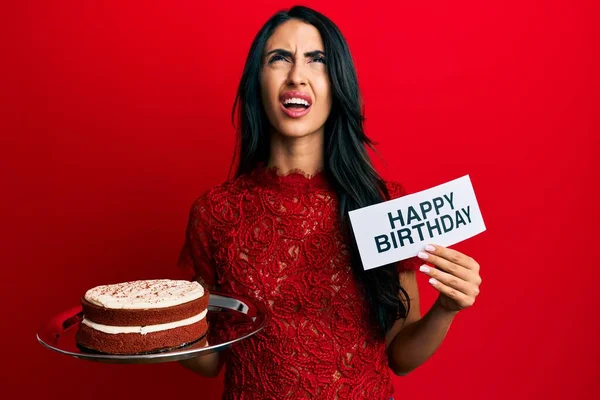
(295, 104)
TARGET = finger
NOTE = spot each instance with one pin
(453, 256)
(460, 298)
(463, 286)
(454, 269)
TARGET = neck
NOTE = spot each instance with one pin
(304, 153)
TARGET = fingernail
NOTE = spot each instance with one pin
(429, 248)
(433, 281)
(422, 255)
(424, 268)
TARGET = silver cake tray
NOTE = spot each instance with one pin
(230, 318)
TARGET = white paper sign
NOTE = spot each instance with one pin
(398, 229)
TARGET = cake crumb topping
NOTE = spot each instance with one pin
(142, 294)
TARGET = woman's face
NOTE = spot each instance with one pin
(294, 83)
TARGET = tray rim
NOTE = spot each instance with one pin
(249, 307)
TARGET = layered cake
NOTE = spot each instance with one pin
(143, 316)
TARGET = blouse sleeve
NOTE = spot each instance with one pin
(195, 258)
(396, 190)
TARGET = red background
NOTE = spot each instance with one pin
(116, 117)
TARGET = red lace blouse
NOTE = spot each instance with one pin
(276, 239)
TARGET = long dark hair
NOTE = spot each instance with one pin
(347, 165)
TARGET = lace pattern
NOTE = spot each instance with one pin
(276, 238)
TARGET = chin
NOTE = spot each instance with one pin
(296, 130)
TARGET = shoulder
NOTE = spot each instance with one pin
(220, 199)
(211, 195)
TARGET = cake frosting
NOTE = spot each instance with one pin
(144, 294)
(143, 316)
(143, 330)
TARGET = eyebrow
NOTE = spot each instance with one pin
(287, 53)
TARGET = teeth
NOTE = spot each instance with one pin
(295, 100)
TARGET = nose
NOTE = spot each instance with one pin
(296, 76)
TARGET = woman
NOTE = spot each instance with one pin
(278, 232)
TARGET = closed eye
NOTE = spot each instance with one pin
(277, 57)
(285, 55)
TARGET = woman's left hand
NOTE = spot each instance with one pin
(456, 276)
